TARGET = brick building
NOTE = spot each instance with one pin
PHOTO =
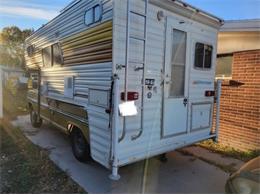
(238, 64)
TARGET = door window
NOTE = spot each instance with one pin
(203, 56)
(178, 63)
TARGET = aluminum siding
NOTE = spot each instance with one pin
(150, 143)
(95, 75)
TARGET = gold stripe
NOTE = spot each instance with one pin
(87, 50)
(91, 46)
(89, 31)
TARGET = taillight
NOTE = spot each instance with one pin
(209, 93)
(131, 96)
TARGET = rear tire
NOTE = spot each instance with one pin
(35, 120)
(80, 146)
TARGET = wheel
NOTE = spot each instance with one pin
(34, 119)
(80, 146)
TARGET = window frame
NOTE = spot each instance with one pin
(52, 57)
(92, 9)
(203, 68)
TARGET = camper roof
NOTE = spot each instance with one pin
(178, 2)
(188, 6)
(71, 4)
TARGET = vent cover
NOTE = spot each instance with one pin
(69, 87)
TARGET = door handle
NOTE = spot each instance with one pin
(137, 68)
(185, 101)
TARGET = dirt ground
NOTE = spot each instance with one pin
(24, 167)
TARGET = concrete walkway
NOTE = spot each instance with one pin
(181, 174)
(227, 163)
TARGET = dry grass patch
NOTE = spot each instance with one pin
(25, 168)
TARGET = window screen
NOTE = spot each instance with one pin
(178, 63)
(52, 56)
(208, 56)
(203, 56)
(93, 15)
(89, 17)
(97, 13)
(57, 56)
(47, 57)
(199, 55)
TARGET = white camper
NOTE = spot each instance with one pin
(126, 79)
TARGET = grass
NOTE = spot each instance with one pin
(229, 151)
(25, 168)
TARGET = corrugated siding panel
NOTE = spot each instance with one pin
(88, 58)
(94, 76)
(66, 24)
(100, 135)
(150, 142)
(91, 46)
(150, 138)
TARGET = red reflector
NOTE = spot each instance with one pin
(209, 93)
(130, 96)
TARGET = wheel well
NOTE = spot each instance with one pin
(71, 127)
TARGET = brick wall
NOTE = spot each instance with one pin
(240, 105)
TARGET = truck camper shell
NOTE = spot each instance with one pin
(135, 77)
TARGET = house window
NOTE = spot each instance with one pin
(52, 56)
(224, 66)
(203, 56)
(93, 15)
